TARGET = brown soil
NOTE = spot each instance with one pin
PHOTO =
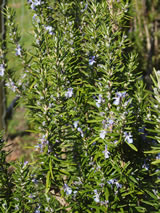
(18, 147)
(20, 143)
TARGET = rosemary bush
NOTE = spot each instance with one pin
(87, 100)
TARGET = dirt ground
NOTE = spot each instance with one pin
(20, 142)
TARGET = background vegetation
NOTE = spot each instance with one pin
(91, 105)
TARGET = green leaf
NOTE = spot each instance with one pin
(156, 162)
(127, 193)
(151, 194)
(140, 209)
(147, 202)
(64, 172)
(48, 183)
(152, 151)
(94, 140)
(50, 168)
(132, 147)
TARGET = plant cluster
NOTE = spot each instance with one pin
(99, 126)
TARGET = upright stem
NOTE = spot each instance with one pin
(2, 89)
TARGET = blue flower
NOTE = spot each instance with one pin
(16, 207)
(34, 3)
(106, 152)
(102, 134)
(92, 61)
(158, 156)
(96, 196)
(31, 196)
(69, 93)
(42, 143)
(110, 121)
(111, 181)
(49, 29)
(118, 184)
(34, 180)
(118, 98)
(80, 130)
(145, 165)
(128, 137)
(108, 124)
(35, 18)
(2, 69)
(104, 202)
(75, 124)
(67, 189)
(99, 101)
(39, 146)
(11, 85)
(18, 50)
(25, 164)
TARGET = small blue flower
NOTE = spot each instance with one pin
(145, 165)
(108, 124)
(2, 69)
(92, 61)
(158, 156)
(34, 3)
(67, 189)
(128, 137)
(34, 180)
(106, 152)
(80, 130)
(102, 134)
(99, 101)
(16, 207)
(118, 184)
(11, 85)
(42, 144)
(104, 202)
(110, 121)
(111, 181)
(69, 93)
(75, 124)
(96, 196)
(31, 196)
(18, 50)
(49, 29)
(118, 98)
(25, 164)
(39, 146)
(86, 6)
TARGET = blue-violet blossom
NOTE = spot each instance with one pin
(49, 29)
(80, 130)
(92, 61)
(2, 69)
(119, 96)
(128, 137)
(18, 50)
(34, 3)
(106, 152)
(69, 93)
(67, 189)
(75, 124)
(99, 100)
(103, 134)
(96, 196)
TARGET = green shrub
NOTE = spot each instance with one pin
(87, 100)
